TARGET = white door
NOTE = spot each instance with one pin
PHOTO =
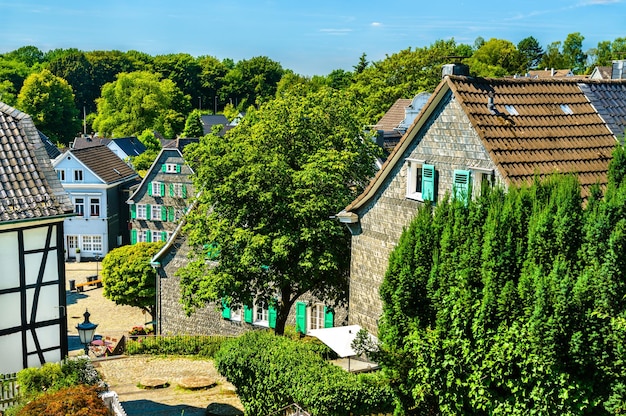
(72, 245)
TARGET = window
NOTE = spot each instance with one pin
(61, 174)
(461, 185)
(142, 211)
(566, 109)
(92, 243)
(94, 207)
(79, 206)
(420, 181)
(170, 168)
(178, 190)
(156, 189)
(483, 179)
(156, 213)
(144, 236)
(78, 175)
(316, 316)
(261, 313)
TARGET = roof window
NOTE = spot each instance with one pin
(511, 110)
(566, 109)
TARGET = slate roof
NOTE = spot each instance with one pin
(51, 149)
(394, 116)
(210, 120)
(29, 187)
(541, 138)
(132, 146)
(179, 143)
(82, 142)
(609, 99)
(103, 162)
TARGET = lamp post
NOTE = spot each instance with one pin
(86, 331)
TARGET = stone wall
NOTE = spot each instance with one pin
(448, 141)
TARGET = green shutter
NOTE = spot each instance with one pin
(150, 188)
(171, 214)
(133, 236)
(171, 189)
(247, 314)
(225, 309)
(162, 189)
(301, 317)
(148, 209)
(461, 185)
(133, 211)
(329, 318)
(271, 313)
(148, 236)
(163, 213)
(163, 235)
(177, 168)
(184, 191)
(163, 168)
(428, 182)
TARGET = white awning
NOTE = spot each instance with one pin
(340, 338)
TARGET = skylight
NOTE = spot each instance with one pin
(566, 109)
(511, 110)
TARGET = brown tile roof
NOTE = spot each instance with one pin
(394, 116)
(103, 162)
(29, 187)
(555, 128)
(550, 73)
(541, 138)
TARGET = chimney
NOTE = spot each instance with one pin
(552, 72)
(455, 69)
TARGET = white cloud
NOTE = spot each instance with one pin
(336, 31)
(376, 24)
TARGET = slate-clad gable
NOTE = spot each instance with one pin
(609, 99)
(29, 189)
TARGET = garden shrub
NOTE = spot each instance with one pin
(271, 372)
(201, 346)
(79, 400)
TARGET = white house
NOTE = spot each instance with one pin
(98, 183)
(33, 206)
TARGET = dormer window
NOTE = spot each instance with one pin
(170, 168)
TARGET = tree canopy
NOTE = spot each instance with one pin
(128, 278)
(500, 306)
(50, 102)
(271, 188)
(138, 101)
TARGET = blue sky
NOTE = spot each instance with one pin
(312, 37)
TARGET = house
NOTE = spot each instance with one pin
(98, 183)
(210, 121)
(33, 207)
(474, 132)
(161, 199)
(123, 147)
(307, 314)
(601, 72)
(617, 70)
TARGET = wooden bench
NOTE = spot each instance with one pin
(91, 281)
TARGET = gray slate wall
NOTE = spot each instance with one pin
(448, 141)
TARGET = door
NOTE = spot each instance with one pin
(72, 245)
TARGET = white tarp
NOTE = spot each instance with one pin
(339, 338)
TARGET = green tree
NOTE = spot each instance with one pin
(49, 101)
(495, 58)
(193, 125)
(7, 93)
(251, 81)
(76, 70)
(271, 189)
(29, 55)
(211, 77)
(531, 53)
(14, 71)
(573, 53)
(128, 278)
(363, 63)
(138, 101)
(184, 70)
(553, 57)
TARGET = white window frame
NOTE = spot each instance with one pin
(478, 176)
(171, 167)
(79, 206)
(142, 236)
(156, 212)
(414, 179)
(78, 175)
(156, 188)
(94, 202)
(261, 314)
(236, 313)
(61, 174)
(316, 316)
(91, 243)
(142, 212)
(178, 189)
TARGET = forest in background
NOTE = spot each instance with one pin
(68, 91)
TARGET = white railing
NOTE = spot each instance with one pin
(112, 401)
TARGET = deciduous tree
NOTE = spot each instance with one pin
(271, 188)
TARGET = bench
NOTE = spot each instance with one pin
(91, 281)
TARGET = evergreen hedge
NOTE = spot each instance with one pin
(511, 304)
(271, 372)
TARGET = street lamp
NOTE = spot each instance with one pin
(86, 331)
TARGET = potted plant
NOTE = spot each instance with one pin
(77, 255)
(136, 332)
